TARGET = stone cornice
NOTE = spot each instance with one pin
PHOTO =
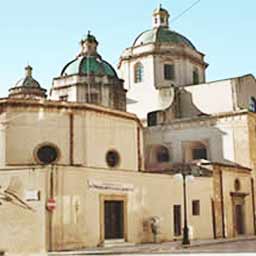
(209, 117)
(69, 106)
(156, 50)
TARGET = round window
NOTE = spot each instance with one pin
(47, 154)
(112, 158)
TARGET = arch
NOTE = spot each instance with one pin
(138, 72)
(199, 151)
(157, 153)
(162, 154)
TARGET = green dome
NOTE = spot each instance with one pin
(161, 35)
(89, 65)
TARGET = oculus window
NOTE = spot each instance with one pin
(47, 154)
(112, 158)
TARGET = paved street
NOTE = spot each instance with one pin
(210, 246)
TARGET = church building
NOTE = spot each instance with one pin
(103, 154)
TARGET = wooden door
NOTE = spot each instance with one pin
(177, 220)
(114, 219)
(239, 218)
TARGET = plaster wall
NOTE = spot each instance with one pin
(71, 92)
(143, 91)
(74, 228)
(205, 96)
(23, 229)
(92, 135)
(228, 186)
(245, 89)
(227, 139)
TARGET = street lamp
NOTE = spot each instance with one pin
(184, 174)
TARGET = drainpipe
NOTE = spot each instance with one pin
(222, 205)
(253, 205)
(71, 139)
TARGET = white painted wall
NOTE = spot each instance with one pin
(227, 139)
(214, 97)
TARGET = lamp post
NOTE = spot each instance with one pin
(185, 172)
(185, 239)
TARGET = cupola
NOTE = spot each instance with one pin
(88, 45)
(27, 87)
(160, 17)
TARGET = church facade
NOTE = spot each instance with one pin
(77, 170)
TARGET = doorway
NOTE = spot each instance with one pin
(239, 213)
(239, 219)
(177, 220)
(113, 219)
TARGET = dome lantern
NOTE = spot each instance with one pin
(89, 45)
(160, 17)
(28, 71)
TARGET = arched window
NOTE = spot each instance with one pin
(195, 76)
(252, 104)
(199, 151)
(162, 154)
(138, 72)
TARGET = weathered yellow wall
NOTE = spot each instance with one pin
(94, 134)
(77, 220)
(23, 230)
(229, 175)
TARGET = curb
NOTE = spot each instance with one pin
(214, 243)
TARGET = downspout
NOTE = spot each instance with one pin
(222, 205)
(71, 139)
(253, 205)
(138, 148)
(50, 214)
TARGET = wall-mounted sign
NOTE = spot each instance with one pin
(32, 195)
(94, 184)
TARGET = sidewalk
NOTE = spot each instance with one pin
(149, 248)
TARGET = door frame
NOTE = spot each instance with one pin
(238, 199)
(112, 197)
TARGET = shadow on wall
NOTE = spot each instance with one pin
(183, 145)
(182, 106)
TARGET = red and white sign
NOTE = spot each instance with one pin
(51, 204)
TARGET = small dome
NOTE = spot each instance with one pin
(28, 80)
(88, 60)
(162, 35)
(88, 65)
(27, 87)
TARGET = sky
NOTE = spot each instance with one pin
(46, 33)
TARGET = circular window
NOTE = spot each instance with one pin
(47, 154)
(112, 158)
